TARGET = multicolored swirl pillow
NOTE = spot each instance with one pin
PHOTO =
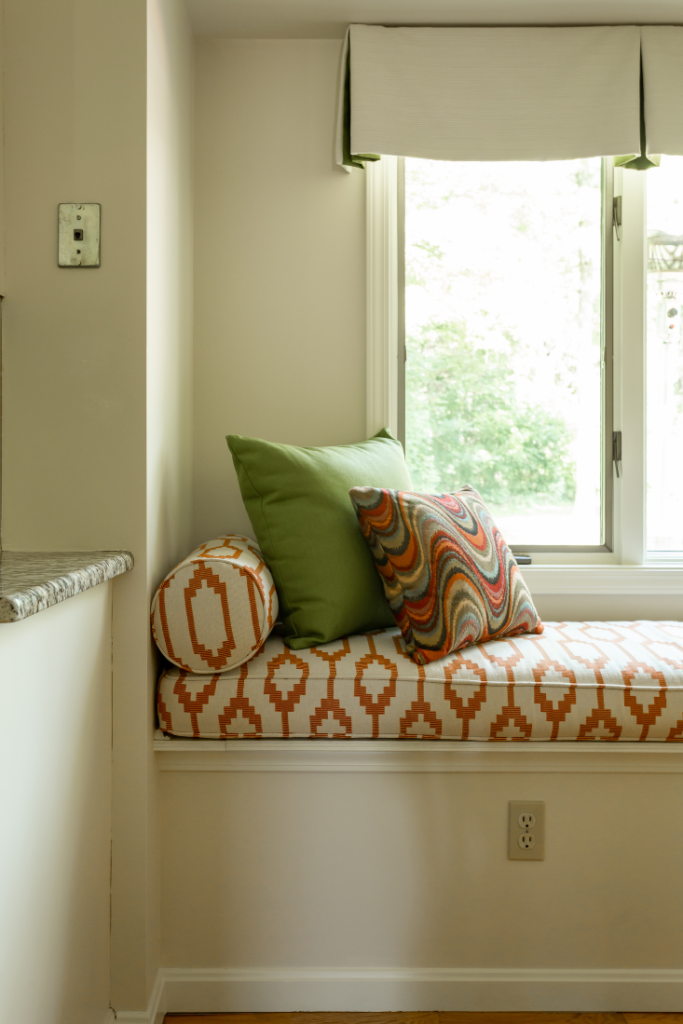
(450, 578)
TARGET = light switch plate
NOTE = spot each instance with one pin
(526, 830)
(79, 234)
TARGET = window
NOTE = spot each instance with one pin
(665, 357)
(504, 339)
(530, 332)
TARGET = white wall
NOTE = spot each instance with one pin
(615, 607)
(279, 263)
(55, 775)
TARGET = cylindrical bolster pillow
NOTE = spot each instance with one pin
(216, 608)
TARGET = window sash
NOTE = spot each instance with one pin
(607, 343)
(629, 256)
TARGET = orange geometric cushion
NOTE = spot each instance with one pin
(579, 681)
(215, 609)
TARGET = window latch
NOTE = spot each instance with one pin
(616, 216)
(616, 450)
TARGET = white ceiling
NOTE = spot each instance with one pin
(327, 19)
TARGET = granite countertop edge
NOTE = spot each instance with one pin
(31, 581)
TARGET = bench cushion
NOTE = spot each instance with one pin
(577, 681)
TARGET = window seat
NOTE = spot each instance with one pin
(578, 681)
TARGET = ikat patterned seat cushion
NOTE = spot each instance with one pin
(578, 681)
(449, 577)
(216, 608)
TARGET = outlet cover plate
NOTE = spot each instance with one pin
(79, 235)
(515, 830)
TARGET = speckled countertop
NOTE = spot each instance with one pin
(31, 581)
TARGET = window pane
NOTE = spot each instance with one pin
(503, 341)
(665, 356)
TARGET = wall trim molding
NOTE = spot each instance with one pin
(381, 198)
(282, 989)
(156, 1007)
(264, 989)
(416, 756)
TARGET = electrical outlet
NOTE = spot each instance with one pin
(526, 830)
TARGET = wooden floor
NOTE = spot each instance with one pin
(425, 1018)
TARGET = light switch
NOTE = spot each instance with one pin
(79, 234)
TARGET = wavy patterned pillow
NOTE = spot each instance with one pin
(450, 578)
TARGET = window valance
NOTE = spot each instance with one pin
(662, 47)
(503, 93)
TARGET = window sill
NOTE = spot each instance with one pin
(603, 579)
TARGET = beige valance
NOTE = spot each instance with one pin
(496, 93)
(662, 47)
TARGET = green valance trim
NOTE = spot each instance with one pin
(639, 161)
(349, 159)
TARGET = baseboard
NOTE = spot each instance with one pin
(253, 990)
(156, 1007)
(109, 1017)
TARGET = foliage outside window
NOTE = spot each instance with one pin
(503, 271)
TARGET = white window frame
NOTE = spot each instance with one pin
(625, 569)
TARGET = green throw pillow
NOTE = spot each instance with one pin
(298, 503)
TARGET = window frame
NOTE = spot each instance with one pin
(624, 297)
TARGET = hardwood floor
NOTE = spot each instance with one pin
(424, 1018)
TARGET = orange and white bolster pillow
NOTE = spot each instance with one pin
(216, 608)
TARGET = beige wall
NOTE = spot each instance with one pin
(97, 421)
(55, 774)
(280, 278)
(279, 263)
(2, 150)
(306, 870)
(169, 285)
(409, 870)
(74, 417)
(169, 393)
(97, 363)
(74, 346)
